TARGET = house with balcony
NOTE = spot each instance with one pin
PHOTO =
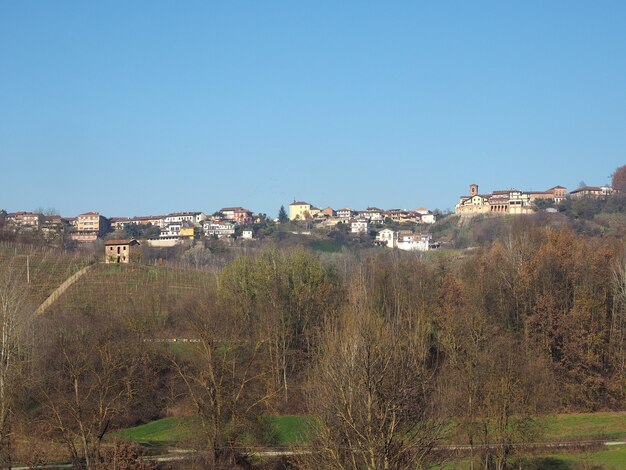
(24, 220)
(219, 228)
(89, 227)
(374, 214)
(346, 213)
(239, 215)
(179, 217)
(359, 225)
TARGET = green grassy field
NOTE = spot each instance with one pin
(165, 431)
(613, 458)
(578, 426)
(289, 430)
(282, 431)
(286, 430)
(296, 429)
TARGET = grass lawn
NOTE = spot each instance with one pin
(613, 458)
(287, 430)
(165, 431)
(282, 431)
(578, 426)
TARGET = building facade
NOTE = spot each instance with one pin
(120, 251)
(300, 210)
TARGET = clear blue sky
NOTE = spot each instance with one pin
(142, 107)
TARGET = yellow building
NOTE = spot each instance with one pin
(187, 232)
(300, 210)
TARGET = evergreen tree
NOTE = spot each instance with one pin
(282, 215)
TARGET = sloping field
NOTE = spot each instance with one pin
(39, 271)
(150, 293)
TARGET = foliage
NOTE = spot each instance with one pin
(141, 231)
(618, 179)
(125, 456)
(282, 215)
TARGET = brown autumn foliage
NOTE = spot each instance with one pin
(379, 347)
(618, 180)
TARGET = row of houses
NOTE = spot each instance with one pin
(90, 226)
(304, 211)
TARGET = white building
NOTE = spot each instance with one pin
(414, 241)
(247, 235)
(359, 225)
(387, 237)
(406, 241)
(346, 213)
(425, 216)
(191, 217)
(219, 229)
(171, 230)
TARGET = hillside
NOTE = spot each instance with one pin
(39, 270)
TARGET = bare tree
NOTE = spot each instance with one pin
(370, 393)
(14, 317)
(226, 378)
(89, 380)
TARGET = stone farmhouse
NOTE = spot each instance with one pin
(120, 251)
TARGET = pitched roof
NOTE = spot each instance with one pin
(178, 214)
(131, 241)
(586, 188)
(234, 209)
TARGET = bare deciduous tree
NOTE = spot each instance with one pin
(89, 380)
(370, 393)
(14, 316)
(225, 376)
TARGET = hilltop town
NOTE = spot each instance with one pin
(393, 228)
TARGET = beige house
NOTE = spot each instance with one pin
(120, 251)
(89, 227)
(592, 191)
(300, 210)
(26, 220)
